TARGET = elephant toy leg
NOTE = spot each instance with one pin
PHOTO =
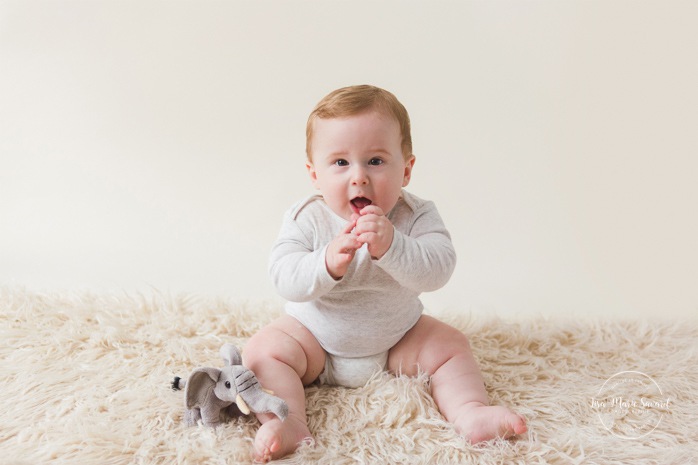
(192, 416)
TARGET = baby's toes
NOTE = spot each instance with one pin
(264, 446)
(515, 424)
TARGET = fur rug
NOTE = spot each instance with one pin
(85, 379)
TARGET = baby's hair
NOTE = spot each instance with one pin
(353, 100)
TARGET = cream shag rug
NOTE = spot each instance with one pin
(85, 379)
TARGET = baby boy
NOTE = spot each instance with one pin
(352, 262)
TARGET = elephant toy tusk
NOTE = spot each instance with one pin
(242, 405)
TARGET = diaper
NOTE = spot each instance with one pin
(352, 372)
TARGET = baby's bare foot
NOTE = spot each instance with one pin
(276, 439)
(478, 422)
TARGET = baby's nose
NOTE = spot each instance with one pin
(359, 175)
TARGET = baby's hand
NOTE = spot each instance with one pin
(340, 252)
(374, 229)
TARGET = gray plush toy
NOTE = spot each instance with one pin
(208, 391)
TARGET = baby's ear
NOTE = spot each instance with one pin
(311, 172)
(409, 164)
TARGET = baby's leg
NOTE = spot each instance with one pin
(284, 356)
(456, 383)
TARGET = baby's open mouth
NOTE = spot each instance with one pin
(359, 203)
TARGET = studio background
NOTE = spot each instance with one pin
(155, 145)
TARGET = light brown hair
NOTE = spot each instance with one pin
(353, 100)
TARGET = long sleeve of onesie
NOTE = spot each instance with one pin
(298, 269)
(424, 259)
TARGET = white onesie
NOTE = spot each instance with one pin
(375, 303)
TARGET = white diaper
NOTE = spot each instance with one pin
(352, 372)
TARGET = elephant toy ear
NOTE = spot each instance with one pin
(231, 355)
(199, 386)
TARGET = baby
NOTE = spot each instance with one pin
(352, 262)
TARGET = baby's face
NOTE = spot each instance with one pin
(358, 161)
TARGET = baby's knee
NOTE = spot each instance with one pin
(270, 347)
(259, 349)
(449, 342)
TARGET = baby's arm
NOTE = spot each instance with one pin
(298, 270)
(422, 259)
(302, 273)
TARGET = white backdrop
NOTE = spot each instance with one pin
(155, 145)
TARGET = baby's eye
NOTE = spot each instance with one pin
(375, 161)
(341, 162)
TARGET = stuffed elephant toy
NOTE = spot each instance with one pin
(208, 391)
